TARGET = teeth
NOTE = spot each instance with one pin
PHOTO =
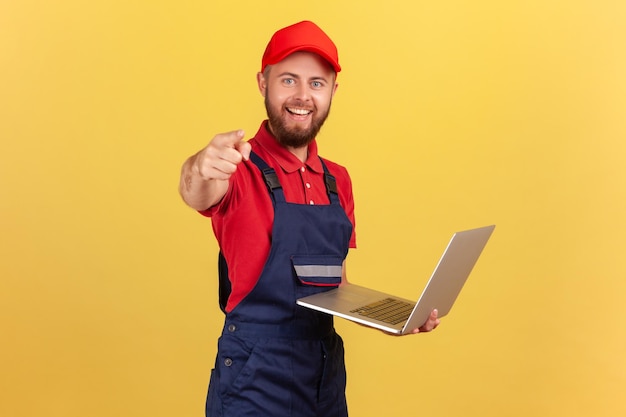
(300, 112)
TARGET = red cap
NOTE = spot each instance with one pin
(303, 36)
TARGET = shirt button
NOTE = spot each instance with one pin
(232, 328)
(228, 361)
(308, 185)
(311, 202)
(303, 169)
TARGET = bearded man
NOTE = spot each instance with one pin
(276, 205)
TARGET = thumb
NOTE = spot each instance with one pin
(244, 149)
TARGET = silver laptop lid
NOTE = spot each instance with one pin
(449, 276)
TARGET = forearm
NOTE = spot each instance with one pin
(197, 192)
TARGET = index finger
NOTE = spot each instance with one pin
(230, 139)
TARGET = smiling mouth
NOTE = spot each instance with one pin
(299, 112)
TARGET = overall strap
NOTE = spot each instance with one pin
(331, 184)
(270, 177)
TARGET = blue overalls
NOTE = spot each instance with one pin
(275, 358)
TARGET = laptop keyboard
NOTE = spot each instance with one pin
(388, 310)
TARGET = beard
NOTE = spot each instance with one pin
(293, 137)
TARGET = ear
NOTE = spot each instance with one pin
(262, 83)
(335, 87)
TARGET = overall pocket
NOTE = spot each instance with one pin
(316, 273)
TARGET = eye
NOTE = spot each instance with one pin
(317, 84)
(289, 81)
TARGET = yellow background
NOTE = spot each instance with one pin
(449, 115)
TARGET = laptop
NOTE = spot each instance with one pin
(398, 315)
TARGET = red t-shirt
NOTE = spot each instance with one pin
(242, 221)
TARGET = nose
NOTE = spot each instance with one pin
(302, 92)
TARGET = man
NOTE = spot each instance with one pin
(276, 205)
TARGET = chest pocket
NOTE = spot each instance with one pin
(318, 270)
